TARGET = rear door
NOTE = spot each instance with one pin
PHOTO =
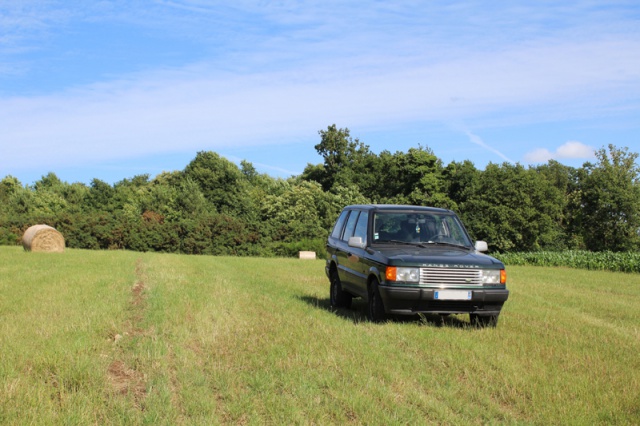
(343, 254)
(357, 257)
(351, 268)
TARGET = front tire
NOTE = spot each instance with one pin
(375, 306)
(338, 297)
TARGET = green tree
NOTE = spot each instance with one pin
(297, 213)
(421, 178)
(513, 209)
(189, 200)
(9, 186)
(222, 183)
(249, 171)
(566, 180)
(345, 159)
(610, 198)
(100, 196)
(10, 230)
(462, 181)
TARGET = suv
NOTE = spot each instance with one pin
(408, 260)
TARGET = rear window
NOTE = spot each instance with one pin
(361, 226)
(337, 228)
(351, 225)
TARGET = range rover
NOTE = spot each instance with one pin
(406, 260)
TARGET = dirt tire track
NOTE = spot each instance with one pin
(123, 379)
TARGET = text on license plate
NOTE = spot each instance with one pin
(452, 295)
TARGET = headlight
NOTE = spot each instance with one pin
(411, 275)
(494, 276)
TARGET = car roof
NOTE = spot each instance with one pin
(397, 207)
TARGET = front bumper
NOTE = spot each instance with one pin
(412, 300)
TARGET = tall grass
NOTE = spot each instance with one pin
(130, 338)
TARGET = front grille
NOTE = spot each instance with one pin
(450, 276)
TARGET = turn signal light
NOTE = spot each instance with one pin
(391, 273)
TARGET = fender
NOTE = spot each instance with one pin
(375, 272)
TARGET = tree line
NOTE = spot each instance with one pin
(215, 207)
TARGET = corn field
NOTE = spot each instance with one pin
(602, 261)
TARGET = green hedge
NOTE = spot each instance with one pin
(606, 260)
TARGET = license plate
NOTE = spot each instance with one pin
(452, 295)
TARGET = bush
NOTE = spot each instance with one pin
(291, 249)
(8, 238)
(580, 259)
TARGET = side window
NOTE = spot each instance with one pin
(337, 228)
(361, 226)
(351, 226)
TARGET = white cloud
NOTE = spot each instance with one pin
(540, 155)
(574, 149)
(201, 107)
(303, 65)
(571, 150)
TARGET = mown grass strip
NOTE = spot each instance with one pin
(225, 340)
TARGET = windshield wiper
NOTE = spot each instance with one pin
(438, 243)
(409, 243)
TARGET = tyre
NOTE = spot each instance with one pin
(484, 320)
(338, 297)
(375, 306)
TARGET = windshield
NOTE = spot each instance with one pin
(418, 228)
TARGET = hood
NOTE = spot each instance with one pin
(437, 256)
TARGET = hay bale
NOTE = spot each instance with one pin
(43, 238)
(307, 255)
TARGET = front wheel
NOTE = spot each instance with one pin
(338, 297)
(375, 307)
(484, 320)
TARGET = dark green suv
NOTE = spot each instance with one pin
(409, 260)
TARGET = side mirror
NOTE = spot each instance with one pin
(481, 246)
(356, 242)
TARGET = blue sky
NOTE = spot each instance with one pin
(116, 88)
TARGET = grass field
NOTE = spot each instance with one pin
(112, 337)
